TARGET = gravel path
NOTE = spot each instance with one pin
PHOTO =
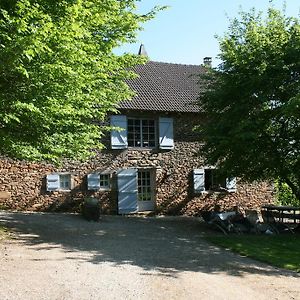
(62, 256)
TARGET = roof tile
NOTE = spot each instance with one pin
(164, 87)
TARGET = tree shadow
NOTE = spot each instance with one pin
(164, 245)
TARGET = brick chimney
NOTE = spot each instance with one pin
(207, 62)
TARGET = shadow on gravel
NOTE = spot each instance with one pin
(165, 246)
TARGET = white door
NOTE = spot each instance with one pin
(145, 184)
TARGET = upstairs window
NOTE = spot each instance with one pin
(141, 133)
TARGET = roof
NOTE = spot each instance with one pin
(164, 87)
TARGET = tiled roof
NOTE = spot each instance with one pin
(164, 87)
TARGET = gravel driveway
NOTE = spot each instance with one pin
(62, 256)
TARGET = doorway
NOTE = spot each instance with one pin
(146, 189)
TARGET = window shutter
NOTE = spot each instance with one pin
(52, 182)
(231, 184)
(93, 181)
(127, 191)
(199, 180)
(166, 140)
(119, 138)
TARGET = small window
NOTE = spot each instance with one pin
(104, 181)
(64, 181)
(212, 180)
(59, 182)
(98, 181)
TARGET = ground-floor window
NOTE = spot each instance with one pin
(59, 182)
(65, 181)
(98, 181)
(104, 181)
(213, 180)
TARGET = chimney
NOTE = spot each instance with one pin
(207, 62)
(142, 51)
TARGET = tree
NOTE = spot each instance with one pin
(252, 101)
(58, 73)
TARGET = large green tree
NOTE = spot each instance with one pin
(252, 101)
(58, 73)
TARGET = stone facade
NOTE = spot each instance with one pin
(23, 184)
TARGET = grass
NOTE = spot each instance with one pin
(3, 233)
(279, 250)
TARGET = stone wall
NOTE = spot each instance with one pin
(23, 184)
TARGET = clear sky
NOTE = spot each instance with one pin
(185, 33)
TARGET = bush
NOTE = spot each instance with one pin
(284, 194)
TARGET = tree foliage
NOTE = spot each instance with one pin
(284, 194)
(58, 73)
(252, 101)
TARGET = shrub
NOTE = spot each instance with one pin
(284, 194)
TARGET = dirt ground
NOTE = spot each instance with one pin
(62, 256)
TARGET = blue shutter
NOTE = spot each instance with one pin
(199, 180)
(119, 138)
(93, 181)
(127, 191)
(52, 182)
(166, 140)
(231, 184)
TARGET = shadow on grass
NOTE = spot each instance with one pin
(279, 250)
(166, 246)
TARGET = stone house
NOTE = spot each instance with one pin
(151, 163)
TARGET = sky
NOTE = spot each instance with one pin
(185, 32)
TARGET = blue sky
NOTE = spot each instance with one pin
(185, 33)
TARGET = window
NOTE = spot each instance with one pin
(64, 181)
(211, 180)
(141, 133)
(144, 185)
(98, 181)
(59, 182)
(104, 181)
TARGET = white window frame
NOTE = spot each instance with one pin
(163, 133)
(59, 181)
(145, 189)
(65, 182)
(100, 181)
(105, 187)
(141, 141)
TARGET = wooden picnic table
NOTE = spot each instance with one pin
(283, 212)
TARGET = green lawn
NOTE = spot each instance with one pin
(279, 250)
